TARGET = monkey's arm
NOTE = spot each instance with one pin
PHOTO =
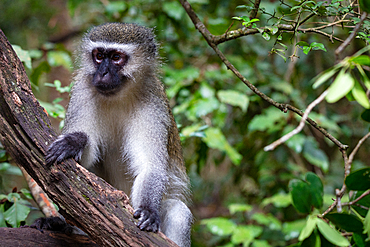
(66, 146)
(149, 164)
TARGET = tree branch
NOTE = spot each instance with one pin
(254, 12)
(350, 37)
(213, 42)
(286, 137)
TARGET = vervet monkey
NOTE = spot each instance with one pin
(119, 125)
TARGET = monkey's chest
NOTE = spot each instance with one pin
(113, 168)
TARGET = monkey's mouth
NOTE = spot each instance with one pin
(108, 89)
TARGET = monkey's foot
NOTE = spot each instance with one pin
(52, 224)
(148, 220)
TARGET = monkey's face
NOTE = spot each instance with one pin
(108, 64)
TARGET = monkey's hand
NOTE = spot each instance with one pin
(148, 219)
(66, 146)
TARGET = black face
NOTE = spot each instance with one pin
(107, 79)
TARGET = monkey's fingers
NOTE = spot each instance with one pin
(66, 146)
(148, 221)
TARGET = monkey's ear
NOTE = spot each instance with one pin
(66, 146)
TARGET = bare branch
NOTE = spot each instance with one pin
(286, 137)
(354, 151)
(283, 107)
(255, 9)
(350, 37)
(313, 30)
(366, 193)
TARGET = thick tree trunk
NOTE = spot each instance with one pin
(84, 199)
(28, 237)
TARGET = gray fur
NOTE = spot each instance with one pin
(133, 141)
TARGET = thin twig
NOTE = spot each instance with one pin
(299, 128)
(350, 37)
(254, 11)
(366, 193)
(354, 151)
(330, 25)
(311, 30)
(283, 107)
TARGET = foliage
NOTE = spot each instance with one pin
(243, 195)
(13, 208)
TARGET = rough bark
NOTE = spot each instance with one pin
(84, 199)
(28, 237)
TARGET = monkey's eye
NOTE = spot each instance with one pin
(99, 56)
(116, 57)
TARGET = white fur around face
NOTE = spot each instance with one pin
(127, 48)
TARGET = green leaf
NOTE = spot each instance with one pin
(115, 7)
(361, 60)
(324, 76)
(27, 193)
(312, 241)
(315, 156)
(301, 195)
(2, 218)
(216, 139)
(196, 130)
(302, 43)
(367, 224)
(330, 234)
(235, 207)
(273, 29)
(295, 7)
(219, 226)
(173, 10)
(16, 214)
(326, 122)
(358, 180)
(202, 107)
(280, 200)
(59, 58)
(347, 222)
(296, 142)
(340, 87)
(317, 46)
(266, 36)
(360, 95)
(268, 220)
(245, 234)
(364, 77)
(260, 243)
(306, 49)
(234, 98)
(23, 55)
(309, 227)
(292, 229)
(361, 207)
(365, 115)
(359, 239)
(317, 189)
(268, 120)
(242, 235)
(9, 169)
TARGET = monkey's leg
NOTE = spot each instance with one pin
(176, 220)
